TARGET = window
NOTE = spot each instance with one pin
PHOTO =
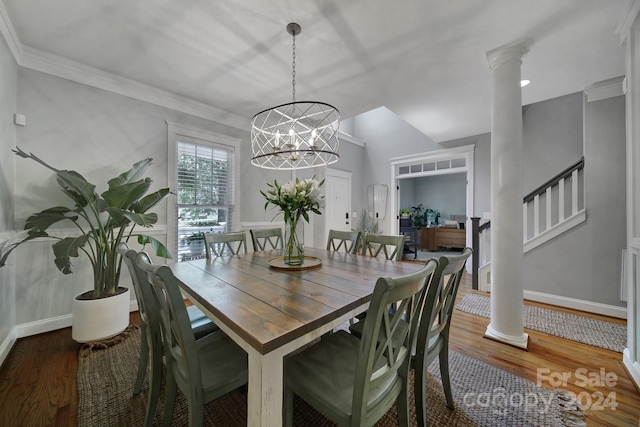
(203, 176)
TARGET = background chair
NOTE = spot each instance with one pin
(151, 350)
(219, 244)
(354, 382)
(204, 369)
(391, 246)
(433, 332)
(265, 239)
(348, 241)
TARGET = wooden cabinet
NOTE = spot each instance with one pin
(450, 237)
(427, 239)
(434, 239)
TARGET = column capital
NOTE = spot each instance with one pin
(509, 52)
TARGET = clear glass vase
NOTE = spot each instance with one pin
(293, 247)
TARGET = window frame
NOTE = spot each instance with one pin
(214, 139)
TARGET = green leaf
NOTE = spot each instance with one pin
(150, 200)
(125, 195)
(10, 249)
(133, 174)
(145, 220)
(41, 221)
(65, 249)
(160, 249)
(78, 188)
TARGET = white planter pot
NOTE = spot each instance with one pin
(98, 319)
(196, 248)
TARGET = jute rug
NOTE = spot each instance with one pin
(483, 395)
(598, 333)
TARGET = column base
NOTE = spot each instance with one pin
(515, 341)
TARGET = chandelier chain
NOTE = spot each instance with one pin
(293, 67)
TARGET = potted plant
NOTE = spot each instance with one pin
(195, 243)
(417, 213)
(404, 213)
(103, 221)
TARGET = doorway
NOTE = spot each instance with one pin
(338, 198)
(439, 163)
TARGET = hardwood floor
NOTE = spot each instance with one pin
(38, 380)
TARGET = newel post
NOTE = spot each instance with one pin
(475, 245)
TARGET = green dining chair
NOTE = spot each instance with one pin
(391, 246)
(352, 381)
(231, 243)
(151, 350)
(433, 332)
(203, 370)
(265, 239)
(348, 241)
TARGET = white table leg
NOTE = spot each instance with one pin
(265, 389)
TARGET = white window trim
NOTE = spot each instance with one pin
(175, 129)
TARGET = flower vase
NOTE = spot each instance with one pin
(293, 248)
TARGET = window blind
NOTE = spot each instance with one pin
(204, 194)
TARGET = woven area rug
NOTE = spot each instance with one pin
(598, 333)
(483, 395)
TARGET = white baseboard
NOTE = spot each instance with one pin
(54, 323)
(632, 367)
(7, 345)
(577, 304)
(44, 325)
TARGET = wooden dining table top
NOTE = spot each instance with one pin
(269, 307)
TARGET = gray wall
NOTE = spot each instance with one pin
(98, 133)
(591, 253)
(8, 84)
(556, 133)
(552, 138)
(387, 136)
(444, 193)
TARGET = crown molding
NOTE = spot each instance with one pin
(9, 34)
(624, 26)
(90, 76)
(54, 65)
(605, 89)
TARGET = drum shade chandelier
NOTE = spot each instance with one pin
(297, 135)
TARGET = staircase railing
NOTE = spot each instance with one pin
(549, 210)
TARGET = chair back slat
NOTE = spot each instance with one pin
(393, 317)
(220, 244)
(391, 246)
(179, 342)
(265, 239)
(440, 300)
(144, 294)
(348, 241)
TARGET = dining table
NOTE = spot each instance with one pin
(271, 309)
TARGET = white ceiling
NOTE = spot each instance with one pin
(422, 59)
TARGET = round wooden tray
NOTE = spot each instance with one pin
(309, 262)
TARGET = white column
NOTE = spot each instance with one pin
(506, 196)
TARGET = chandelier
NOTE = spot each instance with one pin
(297, 135)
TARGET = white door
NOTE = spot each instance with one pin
(338, 197)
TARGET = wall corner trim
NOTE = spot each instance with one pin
(605, 89)
(627, 20)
